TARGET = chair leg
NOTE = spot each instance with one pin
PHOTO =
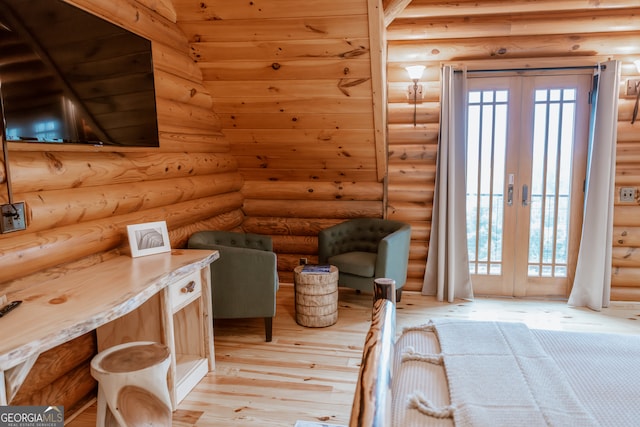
(398, 294)
(268, 327)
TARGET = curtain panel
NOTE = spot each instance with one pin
(447, 270)
(592, 283)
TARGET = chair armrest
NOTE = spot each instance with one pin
(393, 255)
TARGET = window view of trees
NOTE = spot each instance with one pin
(550, 185)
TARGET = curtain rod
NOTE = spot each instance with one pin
(578, 67)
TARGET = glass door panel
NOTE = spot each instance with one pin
(525, 167)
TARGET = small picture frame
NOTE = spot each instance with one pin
(148, 238)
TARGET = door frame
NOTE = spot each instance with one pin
(519, 157)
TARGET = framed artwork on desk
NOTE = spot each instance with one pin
(148, 238)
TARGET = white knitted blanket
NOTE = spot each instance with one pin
(500, 375)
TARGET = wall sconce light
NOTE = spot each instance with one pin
(636, 85)
(415, 90)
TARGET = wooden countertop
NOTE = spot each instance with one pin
(58, 310)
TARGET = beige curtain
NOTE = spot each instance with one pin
(592, 283)
(447, 270)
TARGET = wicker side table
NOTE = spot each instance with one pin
(316, 296)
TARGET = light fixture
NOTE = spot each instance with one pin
(415, 90)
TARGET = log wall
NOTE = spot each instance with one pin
(79, 200)
(540, 34)
(293, 84)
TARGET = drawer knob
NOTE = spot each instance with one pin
(191, 286)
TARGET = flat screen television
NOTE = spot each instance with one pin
(67, 76)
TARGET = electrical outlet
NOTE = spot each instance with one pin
(303, 261)
(627, 194)
(13, 218)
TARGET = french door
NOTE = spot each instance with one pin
(526, 160)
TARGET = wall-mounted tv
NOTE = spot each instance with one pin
(67, 76)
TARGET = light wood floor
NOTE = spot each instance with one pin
(310, 373)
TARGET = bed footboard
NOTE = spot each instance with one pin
(372, 399)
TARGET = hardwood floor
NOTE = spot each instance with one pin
(310, 373)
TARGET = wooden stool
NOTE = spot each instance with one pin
(132, 385)
(316, 296)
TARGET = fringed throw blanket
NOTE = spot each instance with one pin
(499, 375)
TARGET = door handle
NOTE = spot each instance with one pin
(525, 195)
(510, 190)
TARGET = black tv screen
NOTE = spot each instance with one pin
(67, 76)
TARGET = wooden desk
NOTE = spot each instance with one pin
(164, 297)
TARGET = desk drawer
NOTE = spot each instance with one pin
(185, 290)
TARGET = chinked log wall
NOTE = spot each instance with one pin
(560, 36)
(80, 199)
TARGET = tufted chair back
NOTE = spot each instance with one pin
(235, 239)
(359, 235)
(364, 249)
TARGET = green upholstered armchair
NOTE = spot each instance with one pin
(244, 280)
(365, 249)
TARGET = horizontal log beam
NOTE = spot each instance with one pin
(515, 24)
(625, 277)
(305, 190)
(409, 211)
(295, 244)
(625, 294)
(626, 216)
(340, 164)
(408, 134)
(55, 363)
(625, 257)
(400, 153)
(411, 192)
(45, 171)
(418, 8)
(626, 236)
(287, 226)
(28, 253)
(226, 221)
(58, 208)
(313, 175)
(314, 209)
(67, 390)
(402, 112)
(562, 45)
(411, 173)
